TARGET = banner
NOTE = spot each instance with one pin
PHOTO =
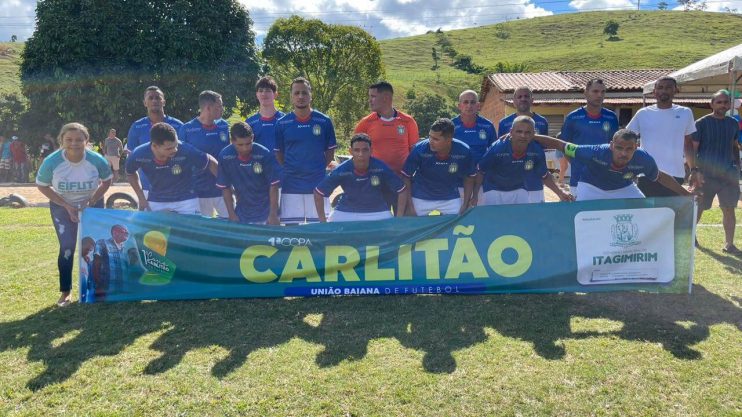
(605, 245)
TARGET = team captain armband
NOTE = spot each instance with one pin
(570, 149)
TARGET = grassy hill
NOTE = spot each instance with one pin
(10, 60)
(647, 39)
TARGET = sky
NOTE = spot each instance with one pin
(385, 19)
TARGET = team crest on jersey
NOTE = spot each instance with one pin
(375, 181)
(528, 165)
(400, 129)
(176, 169)
(223, 136)
(316, 130)
(606, 126)
(628, 175)
(257, 168)
(453, 168)
(482, 135)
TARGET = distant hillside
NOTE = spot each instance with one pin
(647, 39)
(10, 61)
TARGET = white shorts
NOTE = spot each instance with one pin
(346, 216)
(590, 192)
(480, 194)
(536, 196)
(424, 207)
(114, 161)
(496, 198)
(180, 207)
(299, 208)
(209, 205)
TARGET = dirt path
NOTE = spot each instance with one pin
(32, 194)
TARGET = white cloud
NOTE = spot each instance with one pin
(721, 6)
(602, 4)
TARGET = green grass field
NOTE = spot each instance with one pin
(10, 61)
(565, 42)
(563, 354)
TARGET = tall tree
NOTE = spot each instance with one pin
(339, 61)
(89, 61)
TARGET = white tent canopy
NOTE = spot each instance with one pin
(710, 74)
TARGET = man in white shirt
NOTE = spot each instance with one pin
(666, 131)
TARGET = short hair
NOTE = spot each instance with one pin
(525, 119)
(443, 125)
(360, 137)
(721, 93)
(592, 81)
(521, 88)
(118, 226)
(153, 88)
(87, 239)
(161, 133)
(111, 130)
(667, 78)
(208, 97)
(266, 82)
(626, 134)
(301, 80)
(476, 95)
(240, 130)
(382, 87)
(73, 127)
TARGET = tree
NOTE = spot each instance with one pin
(426, 108)
(91, 61)
(13, 38)
(339, 61)
(436, 58)
(663, 5)
(611, 29)
(12, 108)
(689, 5)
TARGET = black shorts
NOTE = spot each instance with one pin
(726, 186)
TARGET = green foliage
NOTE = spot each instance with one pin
(90, 61)
(611, 28)
(505, 67)
(426, 108)
(12, 108)
(436, 58)
(662, 5)
(339, 61)
(466, 63)
(689, 5)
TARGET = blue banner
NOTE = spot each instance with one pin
(605, 245)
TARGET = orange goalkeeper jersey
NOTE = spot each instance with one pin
(391, 140)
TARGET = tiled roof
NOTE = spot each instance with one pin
(574, 80)
(614, 101)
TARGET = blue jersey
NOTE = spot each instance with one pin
(264, 129)
(434, 178)
(582, 128)
(362, 191)
(170, 180)
(505, 171)
(251, 179)
(210, 139)
(534, 182)
(600, 172)
(739, 121)
(139, 135)
(74, 181)
(304, 143)
(478, 136)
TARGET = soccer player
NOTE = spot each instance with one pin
(474, 130)
(523, 100)
(609, 169)
(170, 166)
(717, 155)
(364, 180)
(154, 102)
(72, 178)
(666, 131)
(250, 171)
(592, 124)
(305, 145)
(505, 168)
(434, 170)
(208, 133)
(263, 123)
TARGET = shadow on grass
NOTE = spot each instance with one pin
(435, 325)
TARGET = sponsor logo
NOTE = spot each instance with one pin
(624, 233)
